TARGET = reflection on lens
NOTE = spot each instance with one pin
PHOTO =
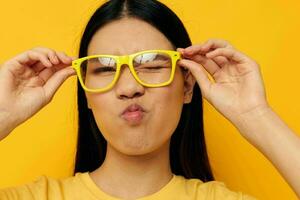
(146, 57)
(98, 73)
(153, 68)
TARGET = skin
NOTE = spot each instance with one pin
(29, 81)
(239, 95)
(143, 148)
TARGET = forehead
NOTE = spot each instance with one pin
(127, 36)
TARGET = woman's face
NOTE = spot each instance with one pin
(163, 105)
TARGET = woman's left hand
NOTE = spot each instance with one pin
(238, 87)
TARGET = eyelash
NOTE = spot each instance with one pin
(109, 69)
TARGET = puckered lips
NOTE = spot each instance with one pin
(133, 114)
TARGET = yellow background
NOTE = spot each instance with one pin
(267, 31)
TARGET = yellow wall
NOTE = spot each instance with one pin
(266, 30)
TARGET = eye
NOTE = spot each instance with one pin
(104, 69)
(154, 67)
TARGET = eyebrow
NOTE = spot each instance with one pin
(117, 53)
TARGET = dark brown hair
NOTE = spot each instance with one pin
(188, 155)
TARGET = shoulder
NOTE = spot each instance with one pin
(211, 190)
(42, 188)
(32, 190)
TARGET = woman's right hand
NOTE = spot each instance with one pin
(29, 81)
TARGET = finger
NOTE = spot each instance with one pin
(56, 80)
(183, 54)
(57, 57)
(192, 49)
(74, 57)
(208, 45)
(64, 58)
(30, 57)
(214, 44)
(180, 50)
(38, 67)
(50, 53)
(208, 64)
(199, 73)
(220, 60)
(230, 54)
(46, 73)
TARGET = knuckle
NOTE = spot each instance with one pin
(35, 52)
(31, 52)
(51, 51)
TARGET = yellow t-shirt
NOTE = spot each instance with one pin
(82, 187)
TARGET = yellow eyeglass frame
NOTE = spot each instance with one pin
(126, 59)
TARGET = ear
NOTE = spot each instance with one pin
(189, 82)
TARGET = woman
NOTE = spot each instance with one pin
(138, 141)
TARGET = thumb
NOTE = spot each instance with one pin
(199, 73)
(56, 80)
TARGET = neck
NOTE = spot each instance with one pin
(133, 176)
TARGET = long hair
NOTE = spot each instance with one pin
(188, 154)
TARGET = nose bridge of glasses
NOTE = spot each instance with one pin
(124, 61)
(126, 77)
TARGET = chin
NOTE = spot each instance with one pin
(139, 147)
(136, 147)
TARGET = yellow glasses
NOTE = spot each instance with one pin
(151, 68)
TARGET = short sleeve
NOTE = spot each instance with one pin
(31, 191)
(218, 190)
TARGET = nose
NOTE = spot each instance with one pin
(127, 86)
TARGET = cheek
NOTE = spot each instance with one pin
(168, 106)
(164, 104)
(102, 109)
